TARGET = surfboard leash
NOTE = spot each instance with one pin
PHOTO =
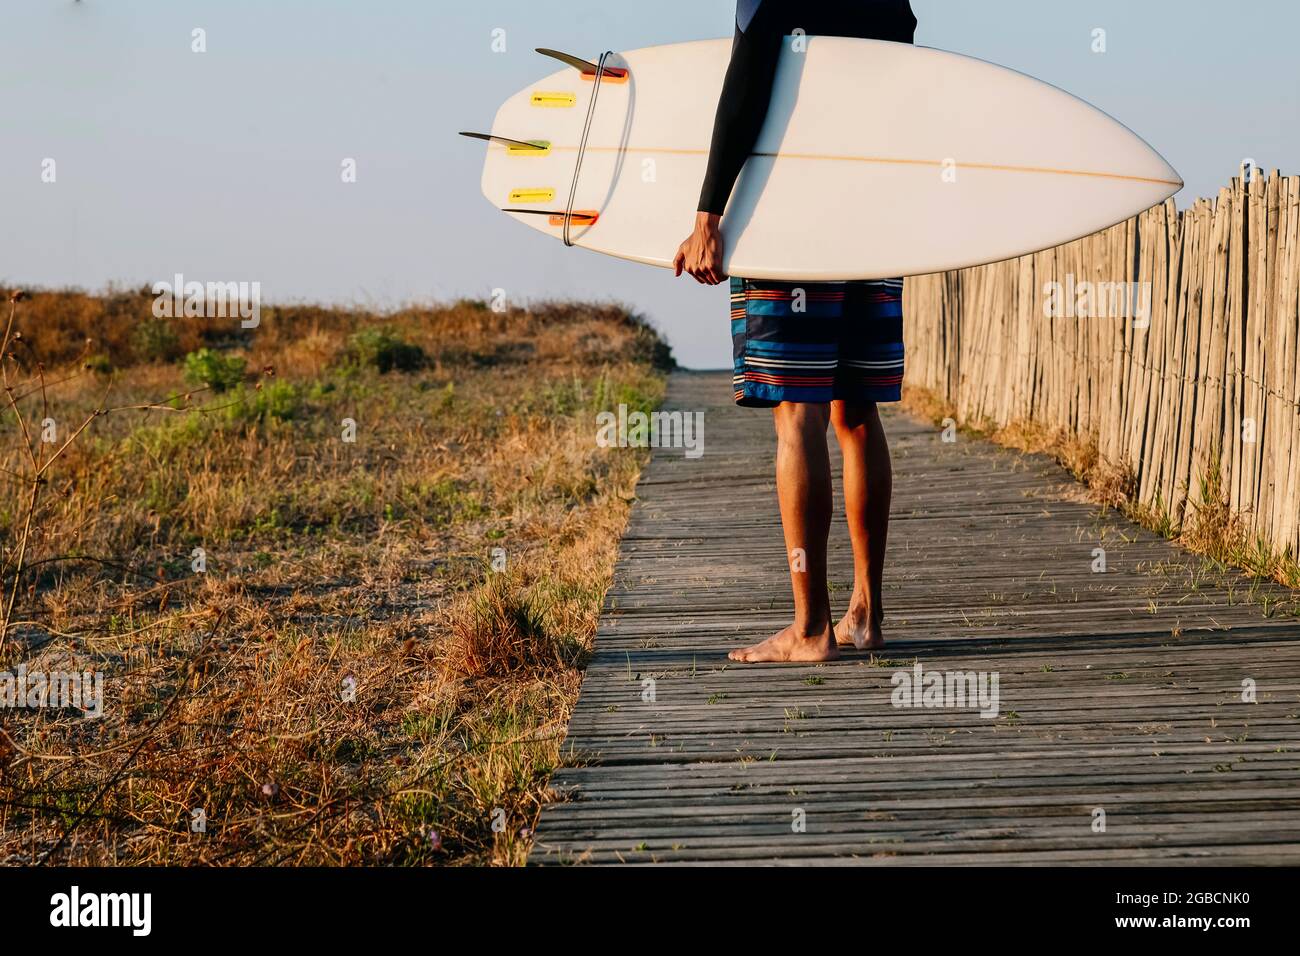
(597, 82)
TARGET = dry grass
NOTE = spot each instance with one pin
(1213, 530)
(349, 680)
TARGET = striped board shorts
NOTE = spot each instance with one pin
(816, 341)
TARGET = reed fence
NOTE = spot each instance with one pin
(1199, 392)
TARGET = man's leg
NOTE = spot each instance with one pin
(868, 487)
(803, 485)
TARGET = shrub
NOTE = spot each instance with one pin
(385, 350)
(279, 400)
(498, 629)
(155, 340)
(219, 372)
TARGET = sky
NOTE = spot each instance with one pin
(226, 164)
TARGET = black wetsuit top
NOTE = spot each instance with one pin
(760, 27)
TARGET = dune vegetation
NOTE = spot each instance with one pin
(339, 573)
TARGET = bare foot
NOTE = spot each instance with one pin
(861, 629)
(790, 646)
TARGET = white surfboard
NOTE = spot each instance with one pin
(876, 160)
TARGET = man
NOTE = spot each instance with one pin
(830, 362)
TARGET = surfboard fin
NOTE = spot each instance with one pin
(505, 141)
(581, 217)
(585, 67)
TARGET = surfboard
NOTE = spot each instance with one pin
(876, 160)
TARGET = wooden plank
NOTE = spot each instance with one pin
(1119, 691)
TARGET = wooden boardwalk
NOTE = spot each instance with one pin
(1119, 692)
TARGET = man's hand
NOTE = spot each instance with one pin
(701, 253)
